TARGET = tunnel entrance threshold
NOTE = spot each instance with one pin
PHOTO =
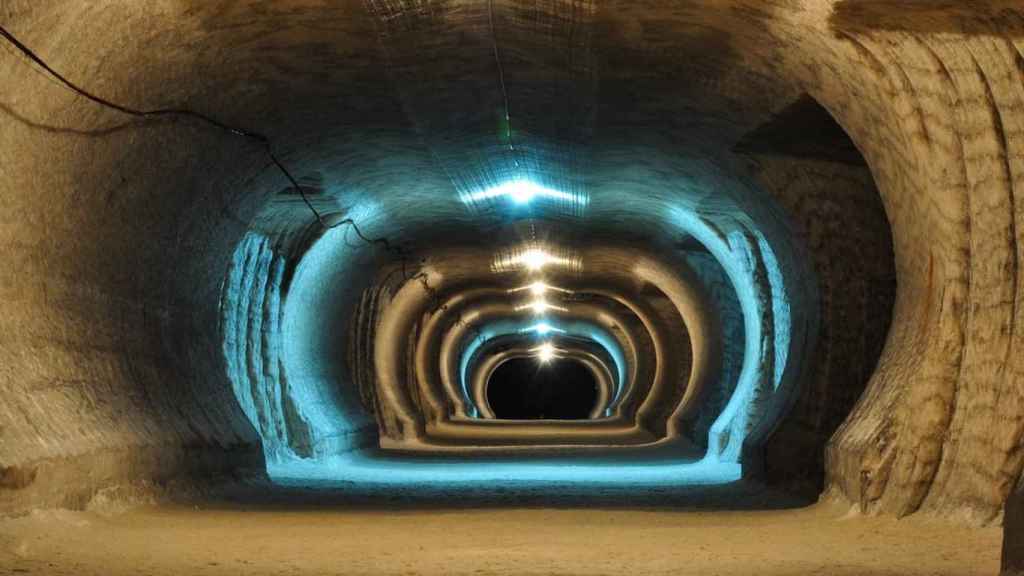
(527, 389)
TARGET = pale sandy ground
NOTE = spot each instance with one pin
(181, 540)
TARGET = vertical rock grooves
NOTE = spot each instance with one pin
(949, 455)
(167, 312)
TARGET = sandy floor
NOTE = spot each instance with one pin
(172, 540)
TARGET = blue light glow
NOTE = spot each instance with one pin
(543, 328)
(522, 192)
(376, 473)
(314, 431)
(734, 253)
(781, 312)
(285, 380)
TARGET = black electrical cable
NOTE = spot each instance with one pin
(254, 136)
(162, 112)
(504, 88)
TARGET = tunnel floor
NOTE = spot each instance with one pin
(669, 470)
(111, 539)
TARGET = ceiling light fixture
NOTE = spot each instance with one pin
(535, 259)
(540, 306)
(521, 192)
(546, 352)
(539, 289)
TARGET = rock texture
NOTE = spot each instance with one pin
(118, 234)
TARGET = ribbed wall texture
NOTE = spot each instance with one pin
(118, 235)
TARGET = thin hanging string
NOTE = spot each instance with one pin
(504, 88)
(261, 139)
(257, 137)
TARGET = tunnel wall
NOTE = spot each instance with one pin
(122, 231)
(110, 371)
(835, 210)
(939, 118)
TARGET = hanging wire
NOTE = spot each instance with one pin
(257, 137)
(504, 88)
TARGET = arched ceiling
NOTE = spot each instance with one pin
(810, 169)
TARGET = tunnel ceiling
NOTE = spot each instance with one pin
(782, 237)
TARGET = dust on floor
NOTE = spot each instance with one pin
(179, 540)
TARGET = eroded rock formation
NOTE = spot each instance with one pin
(843, 181)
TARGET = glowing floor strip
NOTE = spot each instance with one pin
(370, 472)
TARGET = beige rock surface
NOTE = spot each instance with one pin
(821, 540)
(116, 236)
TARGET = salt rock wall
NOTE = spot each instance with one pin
(117, 235)
(935, 105)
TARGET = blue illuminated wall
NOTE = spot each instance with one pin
(282, 341)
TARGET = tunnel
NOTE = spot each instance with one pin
(557, 389)
(512, 286)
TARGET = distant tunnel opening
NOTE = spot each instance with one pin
(526, 389)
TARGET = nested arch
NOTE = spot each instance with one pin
(564, 388)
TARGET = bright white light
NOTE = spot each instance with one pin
(535, 259)
(546, 352)
(542, 328)
(522, 192)
(539, 289)
(540, 306)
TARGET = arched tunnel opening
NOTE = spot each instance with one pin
(449, 280)
(556, 389)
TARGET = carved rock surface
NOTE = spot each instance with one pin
(117, 234)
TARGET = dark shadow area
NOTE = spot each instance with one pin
(804, 129)
(526, 389)
(805, 159)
